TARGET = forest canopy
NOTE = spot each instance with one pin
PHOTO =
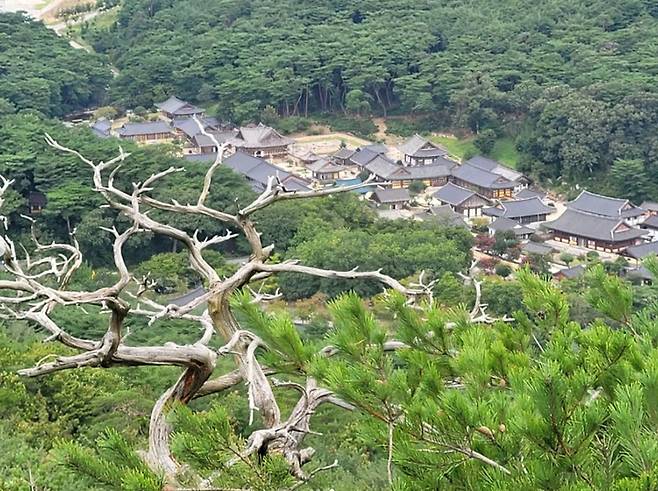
(572, 82)
(40, 71)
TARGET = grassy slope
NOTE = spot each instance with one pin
(503, 151)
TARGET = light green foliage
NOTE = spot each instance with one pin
(207, 441)
(609, 294)
(115, 464)
(559, 406)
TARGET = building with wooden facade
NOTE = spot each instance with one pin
(596, 232)
(420, 151)
(464, 201)
(148, 132)
(174, 108)
(325, 170)
(523, 211)
(394, 199)
(262, 141)
(483, 182)
(485, 163)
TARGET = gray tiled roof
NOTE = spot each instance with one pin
(190, 127)
(537, 248)
(344, 153)
(376, 147)
(148, 128)
(520, 208)
(295, 183)
(362, 157)
(578, 223)
(643, 250)
(260, 136)
(102, 126)
(417, 146)
(385, 168)
(201, 157)
(651, 222)
(604, 205)
(572, 272)
(431, 171)
(259, 171)
(640, 272)
(529, 193)
(392, 195)
(479, 177)
(494, 167)
(649, 205)
(202, 140)
(453, 194)
(483, 162)
(504, 224)
(242, 162)
(445, 214)
(324, 165)
(178, 107)
(262, 172)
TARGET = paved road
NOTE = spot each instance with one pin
(197, 292)
(188, 297)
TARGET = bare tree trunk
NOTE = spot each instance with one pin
(306, 103)
(159, 453)
(380, 101)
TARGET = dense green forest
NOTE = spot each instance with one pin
(440, 378)
(573, 82)
(40, 71)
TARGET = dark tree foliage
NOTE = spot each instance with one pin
(575, 80)
(40, 71)
(66, 182)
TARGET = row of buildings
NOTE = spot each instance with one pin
(478, 187)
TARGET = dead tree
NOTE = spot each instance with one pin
(39, 285)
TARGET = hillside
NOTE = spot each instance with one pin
(573, 82)
(41, 71)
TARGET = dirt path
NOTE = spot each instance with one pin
(382, 134)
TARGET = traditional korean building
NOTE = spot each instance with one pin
(523, 211)
(642, 251)
(343, 156)
(605, 206)
(261, 141)
(102, 128)
(520, 181)
(175, 108)
(149, 132)
(650, 208)
(394, 199)
(420, 151)
(37, 202)
(258, 171)
(207, 143)
(189, 127)
(502, 224)
(650, 225)
(464, 201)
(445, 215)
(570, 273)
(325, 170)
(483, 182)
(597, 232)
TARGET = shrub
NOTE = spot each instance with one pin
(503, 270)
(485, 141)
